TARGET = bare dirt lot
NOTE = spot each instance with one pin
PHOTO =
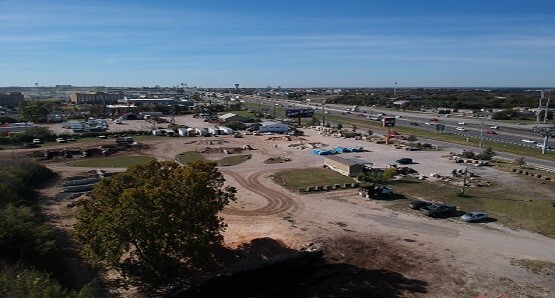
(442, 257)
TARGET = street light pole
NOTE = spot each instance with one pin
(324, 113)
(482, 136)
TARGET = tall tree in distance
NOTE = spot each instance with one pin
(154, 218)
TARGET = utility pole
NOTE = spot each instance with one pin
(324, 113)
(482, 136)
(542, 108)
(546, 133)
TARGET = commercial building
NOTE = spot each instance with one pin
(11, 99)
(273, 127)
(95, 98)
(149, 101)
(342, 165)
(230, 117)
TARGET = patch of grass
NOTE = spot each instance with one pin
(233, 160)
(189, 157)
(517, 208)
(115, 161)
(536, 266)
(301, 178)
(274, 160)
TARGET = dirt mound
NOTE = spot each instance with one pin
(212, 150)
(300, 274)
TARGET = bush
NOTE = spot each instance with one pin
(23, 238)
(16, 281)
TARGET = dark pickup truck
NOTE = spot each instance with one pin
(438, 210)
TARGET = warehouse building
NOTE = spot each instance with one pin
(342, 165)
(95, 98)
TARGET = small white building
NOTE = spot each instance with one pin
(202, 132)
(182, 131)
(158, 132)
(227, 130)
(273, 127)
(215, 131)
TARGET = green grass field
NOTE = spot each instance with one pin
(189, 157)
(233, 160)
(301, 178)
(517, 207)
(114, 162)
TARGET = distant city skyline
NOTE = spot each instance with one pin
(218, 43)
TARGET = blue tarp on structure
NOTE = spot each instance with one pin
(341, 150)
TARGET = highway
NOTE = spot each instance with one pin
(508, 134)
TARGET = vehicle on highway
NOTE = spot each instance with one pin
(37, 141)
(461, 123)
(433, 119)
(437, 210)
(61, 140)
(490, 132)
(427, 123)
(414, 123)
(460, 128)
(474, 216)
(494, 127)
(528, 141)
(404, 161)
(419, 204)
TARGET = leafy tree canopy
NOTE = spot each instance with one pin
(155, 217)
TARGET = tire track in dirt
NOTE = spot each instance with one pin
(277, 202)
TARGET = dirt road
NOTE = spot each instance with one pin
(451, 258)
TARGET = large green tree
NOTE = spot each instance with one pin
(154, 218)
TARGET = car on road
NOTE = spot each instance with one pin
(404, 161)
(541, 146)
(437, 210)
(61, 140)
(414, 123)
(490, 132)
(419, 204)
(460, 128)
(433, 119)
(37, 141)
(494, 127)
(528, 141)
(474, 216)
(427, 123)
(461, 123)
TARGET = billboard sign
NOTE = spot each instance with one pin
(388, 121)
(299, 113)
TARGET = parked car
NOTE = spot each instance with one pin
(404, 161)
(61, 140)
(37, 141)
(460, 128)
(437, 210)
(419, 204)
(462, 123)
(474, 216)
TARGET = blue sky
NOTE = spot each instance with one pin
(419, 43)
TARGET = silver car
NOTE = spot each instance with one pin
(474, 216)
